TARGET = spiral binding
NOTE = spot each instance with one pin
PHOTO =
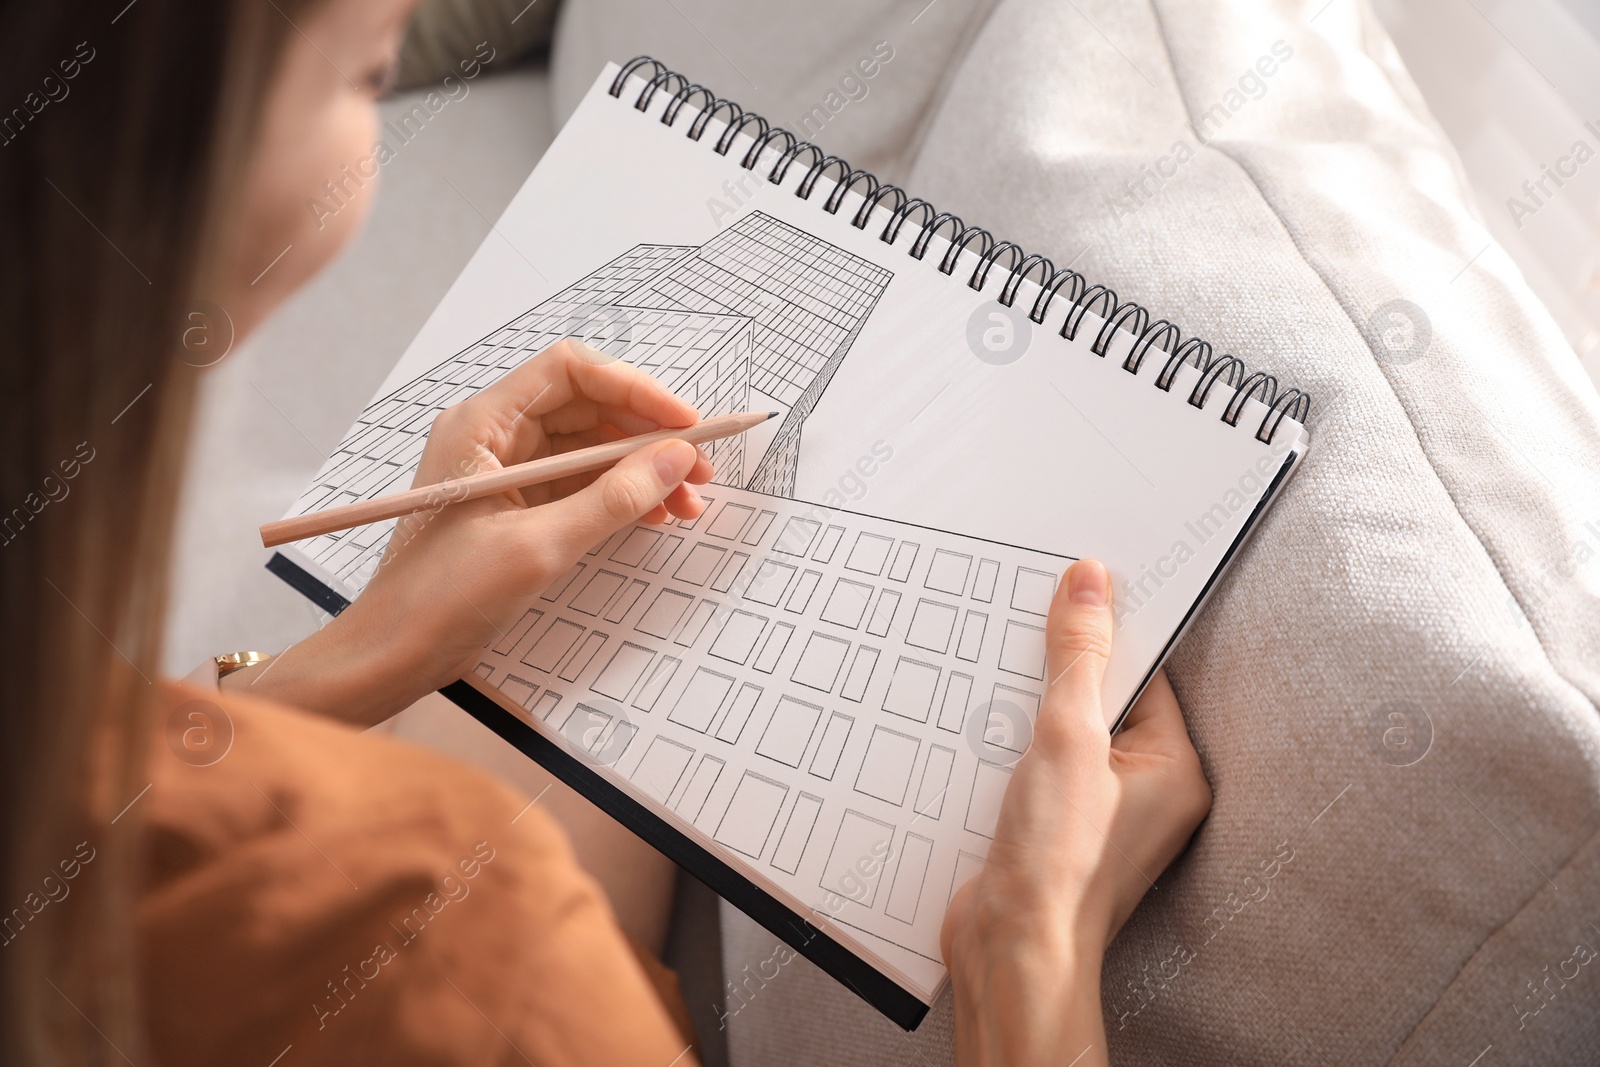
(1159, 335)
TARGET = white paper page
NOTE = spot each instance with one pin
(827, 676)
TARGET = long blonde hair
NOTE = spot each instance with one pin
(120, 163)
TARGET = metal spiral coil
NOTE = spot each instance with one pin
(1150, 336)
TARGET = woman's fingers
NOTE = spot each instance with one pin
(569, 393)
(702, 472)
(1155, 722)
(682, 503)
(1077, 645)
(631, 490)
(1155, 736)
(598, 386)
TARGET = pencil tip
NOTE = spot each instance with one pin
(772, 414)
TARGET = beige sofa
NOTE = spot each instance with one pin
(1394, 693)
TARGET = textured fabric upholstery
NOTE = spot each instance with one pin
(1429, 584)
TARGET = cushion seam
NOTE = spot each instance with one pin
(1422, 448)
(1577, 854)
(1161, 34)
(1349, 317)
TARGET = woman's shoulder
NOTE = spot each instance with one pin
(226, 768)
(363, 899)
(231, 775)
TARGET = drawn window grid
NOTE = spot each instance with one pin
(789, 731)
(885, 770)
(747, 823)
(785, 360)
(575, 584)
(796, 837)
(857, 838)
(385, 408)
(786, 364)
(908, 906)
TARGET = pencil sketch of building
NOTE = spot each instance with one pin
(760, 317)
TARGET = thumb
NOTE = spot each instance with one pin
(1078, 641)
(622, 495)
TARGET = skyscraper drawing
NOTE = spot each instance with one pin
(760, 317)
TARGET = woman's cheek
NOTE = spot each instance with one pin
(334, 198)
(312, 194)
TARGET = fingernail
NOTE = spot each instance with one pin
(1088, 583)
(673, 460)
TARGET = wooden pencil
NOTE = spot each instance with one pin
(432, 497)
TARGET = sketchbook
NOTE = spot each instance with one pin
(812, 696)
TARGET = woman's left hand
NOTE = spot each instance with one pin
(1088, 822)
(455, 578)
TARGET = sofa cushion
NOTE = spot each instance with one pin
(448, 37)
(1394, 693)
(861, 79)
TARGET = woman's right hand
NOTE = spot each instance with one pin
(1088, 823)
(459, 575)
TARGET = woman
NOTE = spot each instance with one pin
(172, 910)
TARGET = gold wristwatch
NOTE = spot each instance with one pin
(229, 662)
